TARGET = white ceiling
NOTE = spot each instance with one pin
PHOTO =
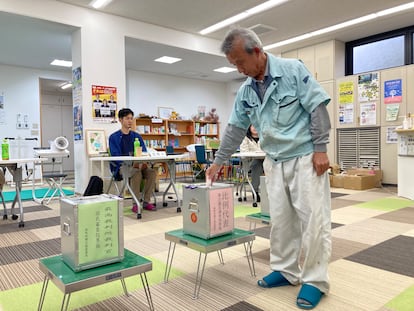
(34, 43)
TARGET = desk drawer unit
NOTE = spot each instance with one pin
(208, 211)
(92, 231)
(264, 199)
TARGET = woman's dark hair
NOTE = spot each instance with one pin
(249, 135)
(124, 112)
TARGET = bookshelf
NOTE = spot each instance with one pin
(159, 133)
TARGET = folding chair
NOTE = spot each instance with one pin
(55, 182)
(2, 182)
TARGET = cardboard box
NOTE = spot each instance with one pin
(370, 172)
(362, 178)
(337, 181)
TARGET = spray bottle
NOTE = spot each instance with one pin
(5, 149)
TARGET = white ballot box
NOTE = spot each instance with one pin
(92, 231)
(208, 211)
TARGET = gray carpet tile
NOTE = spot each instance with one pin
(340, 202)
(337, 194)
(394, 255)
(29, 251)
(242, 306)
(264, 232)
(404, 215)
(29, 225)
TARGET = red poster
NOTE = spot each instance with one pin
(104, 103)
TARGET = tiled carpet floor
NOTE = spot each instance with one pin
(372, 266)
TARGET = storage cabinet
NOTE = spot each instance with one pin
(322, 60)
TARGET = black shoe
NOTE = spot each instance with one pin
(258, 198)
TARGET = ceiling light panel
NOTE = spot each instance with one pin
(225, 69)
(62, 63)
(167, 60)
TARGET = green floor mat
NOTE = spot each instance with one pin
(403, 302)
(243, 210)
(28, 194)
(54, 296)
(387, 204)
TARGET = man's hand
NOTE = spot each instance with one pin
(320, 162)
(211, 172)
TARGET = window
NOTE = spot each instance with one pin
(387, 50)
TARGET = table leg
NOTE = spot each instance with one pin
(144, 281)
(220, 255)
(124, 287)
(172, 173)
(169, 261)
(249, 255)
(43, 293)
(17, 178)
(199, 276)
(65, 302)
(126, 170)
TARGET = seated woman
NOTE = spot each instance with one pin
(251, 144)
(121, 143)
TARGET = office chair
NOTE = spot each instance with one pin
(201, 159)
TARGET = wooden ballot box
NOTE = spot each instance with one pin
(92, 231)
(208, 211)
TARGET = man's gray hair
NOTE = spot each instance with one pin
(251, 40)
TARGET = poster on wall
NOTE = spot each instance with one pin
(391, 112)
(392, 137)
(104, 103)
(346, 92)
(368, 87)
(393, 91)
(77, 104)
(368, 114)
(346, 113)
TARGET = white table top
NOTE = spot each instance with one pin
(20, 161)
(142, 158)
(251, 154)
(51, 153)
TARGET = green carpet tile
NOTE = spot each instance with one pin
(54, 296)
(27, 194)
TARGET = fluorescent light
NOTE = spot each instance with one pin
(396, 9)
(225, 69)
(66, 85)
(344, 24)
(351, 22)
(63, 63)
(167, 60)
(257, 9)
(99, 4)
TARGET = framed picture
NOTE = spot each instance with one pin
(95, 142)
(164, 112)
